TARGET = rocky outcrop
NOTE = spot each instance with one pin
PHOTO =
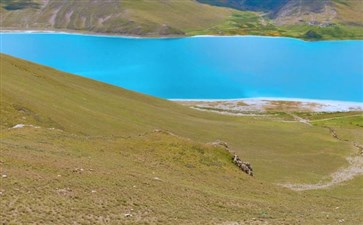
(244, 166)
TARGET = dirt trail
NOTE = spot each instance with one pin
(355, 168)
(299, 119)
(355, 161)
(337, 117)
(344, 174)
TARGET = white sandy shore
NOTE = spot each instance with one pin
(258, 104)
(85, 33)
(71, 33)
(110, 35)
(129, 36)
(90, 34)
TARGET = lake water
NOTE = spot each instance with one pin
(203, 67)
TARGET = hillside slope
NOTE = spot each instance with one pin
(307, 19)
(322, 12)
(41, 96)
(95, 153)
(129, 17)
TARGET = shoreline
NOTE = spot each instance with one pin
(110, 35)
(270, 99)
(263, 103)
(336, 104)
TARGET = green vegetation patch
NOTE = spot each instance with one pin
(19, 4)
(250, 23)
(331, 32)
(243, 23)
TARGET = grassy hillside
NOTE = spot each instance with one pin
(266, 6)
(96, 153)
(91, 108)
(292, 12)
(311, 20)
(307, 19)
(141, 17)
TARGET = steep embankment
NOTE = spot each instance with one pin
(93, 156)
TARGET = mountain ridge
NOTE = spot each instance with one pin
(328, 19)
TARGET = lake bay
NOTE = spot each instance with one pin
(203, 67)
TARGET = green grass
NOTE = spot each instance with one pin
(196, 183)
(242, 23)
(333, 32)
(349, 127)
(249, 23)
(109, 133)
(328, 115)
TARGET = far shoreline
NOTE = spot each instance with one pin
(268, 99)
(319, 105)
(111, 35)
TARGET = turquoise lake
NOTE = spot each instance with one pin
(203, 67)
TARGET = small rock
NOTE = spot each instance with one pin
(128, 215)
(327, 216)
(244, 166)
(78, 170)
(4, 176)
(157, 178)
(93, 191)
(1, 193)
(59, 175)
(337, 207)
(18, 126)
(134, 186)
(341, 221)
(63, 191)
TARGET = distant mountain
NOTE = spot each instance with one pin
(296, 11)
(143, 18)
(255, 5)
(325, 19)
(308, 11)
